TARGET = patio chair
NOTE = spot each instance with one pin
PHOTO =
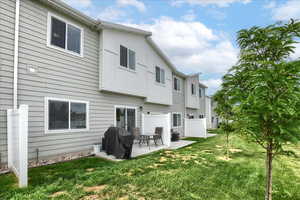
(158, 135)
(136, 132)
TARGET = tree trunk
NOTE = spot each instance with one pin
(269, 159)
(227, 145)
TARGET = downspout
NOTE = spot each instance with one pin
(184, 112)
(16, 55)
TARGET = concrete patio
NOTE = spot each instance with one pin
(139, 150)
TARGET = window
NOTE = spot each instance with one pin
(176, 119)
(193, 89)
(201, 116)
(123, 56)
(200, 92)
(64, 36)
(66, 115)
(176, 84)
(159, 75)
(127, 58)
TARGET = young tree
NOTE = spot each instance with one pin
(264, 89)
(224, 109)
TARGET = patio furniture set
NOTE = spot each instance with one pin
(148, 137)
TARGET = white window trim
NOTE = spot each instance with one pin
(123, 106)
(179, 91)
(128, 68)
(180, 119)
(69, 130)
(49, 29)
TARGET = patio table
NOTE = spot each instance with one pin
(146, 138)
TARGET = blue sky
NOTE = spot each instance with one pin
(197, 35)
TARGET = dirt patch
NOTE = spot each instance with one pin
(163, 159)
(128, 174)
(90, 169)
(235, 150)
(155, 165)
(59, 193)
(207, 151)
(219, 146)
(94, 188)
(224, 158)
(91, 197)
(124, 198)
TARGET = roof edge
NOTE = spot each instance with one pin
(164, 57)
(65, 8)
(110, 25)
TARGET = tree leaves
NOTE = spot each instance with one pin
(261, 94)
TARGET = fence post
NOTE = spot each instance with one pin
(9, 138)
(17, 143)
(23, 145)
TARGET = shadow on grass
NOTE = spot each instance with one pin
(191, 173)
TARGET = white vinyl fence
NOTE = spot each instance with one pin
(195, 127)
(17, 143)
(151, 121)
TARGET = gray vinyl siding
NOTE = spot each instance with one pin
(179, 104)
(59, 75)
(7, 18)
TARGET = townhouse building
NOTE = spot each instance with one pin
(79, 76)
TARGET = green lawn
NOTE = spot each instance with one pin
(195, 172)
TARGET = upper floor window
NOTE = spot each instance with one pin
(127, 58)
(176, 84)
(64, 36)
(66, 115)
(200, 92)
(193, 89)
(159, 75)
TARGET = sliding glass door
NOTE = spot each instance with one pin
(125, 117)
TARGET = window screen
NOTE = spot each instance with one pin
(58, 115)
(123, 56)
(74, 39)
(162, 75)
(58, 33)
(78, 115)
(131, 59)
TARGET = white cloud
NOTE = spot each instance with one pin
(219, 3)
(111, 14)
(212, 84)
(296, 54)
(79, 3)
(285, 11)
(192, 46)
(135, 3)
